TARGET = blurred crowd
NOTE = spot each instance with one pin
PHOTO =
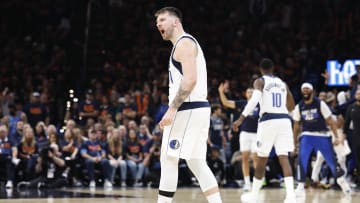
(102, 129)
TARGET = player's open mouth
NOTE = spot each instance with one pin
(162, 31)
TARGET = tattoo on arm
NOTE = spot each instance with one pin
(180, 97)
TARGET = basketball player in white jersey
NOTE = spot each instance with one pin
(274, 128)
(186, 122)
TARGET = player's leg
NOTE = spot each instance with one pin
(325, 146)
(195, 155)
(284, 143)
(253, 150)
(245, 166)
(168, 178)
(245, 146)
(305, 150)
(169, 165)
(317, 167)
(265, 141)
(206, 178)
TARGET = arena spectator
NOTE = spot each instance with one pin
(95, 156)
(28, 152)
(8, 156)
(70, 151)
(134, 157)
(88, 109)
(36, 111)
(116, 156)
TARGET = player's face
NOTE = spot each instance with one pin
(357, 95)
(249, 93)
(322, 96)
(306, 93)
(165, 24)
(218, 112)
(3, 133)
(92, 135)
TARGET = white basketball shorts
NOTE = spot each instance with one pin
(277, 133)
(187, 136)
(247, 142)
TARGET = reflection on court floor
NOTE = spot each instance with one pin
(148, 195)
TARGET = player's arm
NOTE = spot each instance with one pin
(290, 103)
(185, 53)
(254, 100)
(332, 123)
(296, 132)
(327, 114)
(223, 98)
(296, 127)
(347, 121)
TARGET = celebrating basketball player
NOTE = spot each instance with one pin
(274, 128)
(186, 122)
(312, 116)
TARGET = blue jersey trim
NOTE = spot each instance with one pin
(193, 105)
(176, 63)
(270, 116)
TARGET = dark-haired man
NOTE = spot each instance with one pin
(274, 128)
(312, 116)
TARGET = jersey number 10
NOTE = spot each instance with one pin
(276, 98)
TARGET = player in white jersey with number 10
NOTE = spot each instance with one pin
(274, 128)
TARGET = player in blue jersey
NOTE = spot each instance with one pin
(312, 116)
(248, 131)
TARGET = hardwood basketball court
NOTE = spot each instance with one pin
(149, 195)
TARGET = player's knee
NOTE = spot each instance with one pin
(196, 165)
(203, 173)
(245, 155)
(262, 154)
(168, 160)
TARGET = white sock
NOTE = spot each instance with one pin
(301, 185)
(289, 185)
(214, 198)
(163, 199)
(343, 183)
(256, 185)
(247, 180)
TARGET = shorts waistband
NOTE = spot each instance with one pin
(270, 116)
(193, 105)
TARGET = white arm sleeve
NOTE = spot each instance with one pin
(296, 113)
(325, 110)
(254, 100)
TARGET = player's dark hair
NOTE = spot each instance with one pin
(355, 78)
(266, 64)
(215, 107)
(171, 10)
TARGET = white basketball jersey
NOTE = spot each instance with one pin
(199, 93)
(273, 96)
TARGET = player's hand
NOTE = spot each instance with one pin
(339, 140)
(342, 139)
(295, 152)
(168, 118)
(226, 85)
(221, 87)
(236, 125)
(325, 75)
